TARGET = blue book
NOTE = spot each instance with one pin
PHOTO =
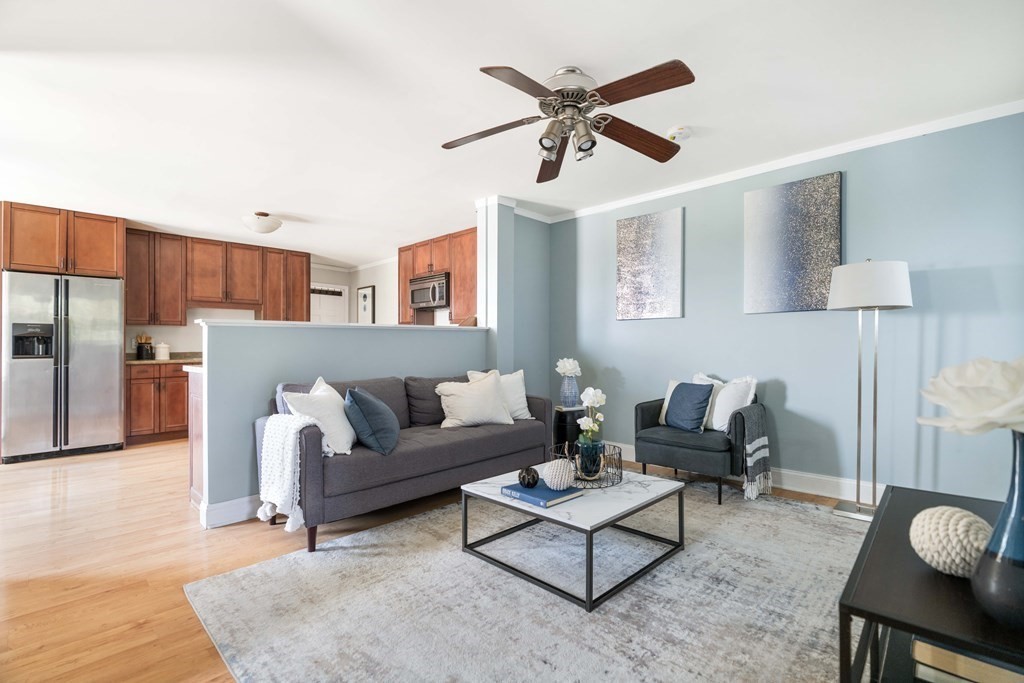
(540, 495)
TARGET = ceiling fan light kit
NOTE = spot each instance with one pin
(567, 101)
(261, 222)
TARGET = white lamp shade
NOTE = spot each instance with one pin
(871, 284)
(261, 224)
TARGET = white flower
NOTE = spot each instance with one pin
(980, 396)
(593, 398)
(599, 417)
(567, 366)
(586, 424)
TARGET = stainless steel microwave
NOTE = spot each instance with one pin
(429, 291)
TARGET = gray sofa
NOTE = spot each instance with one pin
(428, 459)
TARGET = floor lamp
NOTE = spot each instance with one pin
(878, 286)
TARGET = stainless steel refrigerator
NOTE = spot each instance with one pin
(63, 365)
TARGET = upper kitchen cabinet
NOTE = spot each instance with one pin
(207, 271)
(431, 256)
(463, 275)
(285, 285)
(40, 239)
(405, 271)
(244, 274)
(421, 258)
(154, 278)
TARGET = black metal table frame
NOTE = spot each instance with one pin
(589, 602)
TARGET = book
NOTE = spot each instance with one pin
(930, 674)
(540, 495)
(964, 665)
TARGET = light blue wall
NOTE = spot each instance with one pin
(531, 305)
(950, 203)
(245, 363)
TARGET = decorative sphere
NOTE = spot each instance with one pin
(559, 474)
(949, 539)
(528, 477)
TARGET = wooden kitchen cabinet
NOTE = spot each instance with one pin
(154, 278)
(207, 270)
(440, 254)
(274, 284)
(421, 258)
(157, 400)
(296, 304)
(40, 239)
(244, 265)
(405, 271)
(463, 275)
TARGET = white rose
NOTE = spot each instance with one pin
(980, 396)
(586, 424)
(593, 398)
(567, 366)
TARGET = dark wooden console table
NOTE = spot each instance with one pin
(890, 587)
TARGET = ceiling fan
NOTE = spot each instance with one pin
(567, 101)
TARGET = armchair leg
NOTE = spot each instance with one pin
(643, 468)
(273, 520)
(311, 539)
(675, 472)
(719, 490)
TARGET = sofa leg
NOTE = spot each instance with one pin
(311, 539)
(273, 520)
(643, 468)
(675, 472)
(719, 490)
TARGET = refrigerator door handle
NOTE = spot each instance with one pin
(65, 407)
(66, 354)
(56, 406)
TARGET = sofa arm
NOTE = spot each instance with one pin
(540, 408)
(311, 471)
(738, 432)
(647, 414)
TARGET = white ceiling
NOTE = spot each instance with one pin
(184, 115)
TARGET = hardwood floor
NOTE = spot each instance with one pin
(94, 552)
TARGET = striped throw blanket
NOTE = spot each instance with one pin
(757, 471)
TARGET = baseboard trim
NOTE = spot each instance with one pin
(213, 515)
(794, 480)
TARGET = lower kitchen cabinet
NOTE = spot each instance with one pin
(157, 402)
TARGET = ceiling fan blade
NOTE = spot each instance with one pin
(636, 138)
(549, 169)
(507, 74)
(491, 131)
(662, 77)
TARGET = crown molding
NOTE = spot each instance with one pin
(960, 120)
(374, 264)
(328, 266)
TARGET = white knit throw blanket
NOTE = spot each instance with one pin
(279, 469)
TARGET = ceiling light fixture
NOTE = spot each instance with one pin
(583, 138)
(261, 222)
(552, 134)
(580, 156)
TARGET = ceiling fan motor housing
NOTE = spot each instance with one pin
(570, 78)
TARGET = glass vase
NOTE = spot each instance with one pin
(589, 458)
(998, 579)
(570, 393)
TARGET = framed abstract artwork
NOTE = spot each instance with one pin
(366, 311)
(791, 243)
(649, 266)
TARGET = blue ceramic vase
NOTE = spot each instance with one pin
(998, 579)
(570, 394)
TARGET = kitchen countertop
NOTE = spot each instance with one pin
(193, 368)
(184, 357)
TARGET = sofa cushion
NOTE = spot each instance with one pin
(424, 403)
(426, 449)
(374, 423)
(391, 390)
(670, 436)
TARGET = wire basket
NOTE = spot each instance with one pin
(596, 470)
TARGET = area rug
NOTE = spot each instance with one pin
(752, 597)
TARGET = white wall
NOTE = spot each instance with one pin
(383, 276)
(188, 338)
(329, 275)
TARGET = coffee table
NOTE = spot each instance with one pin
(595, 510)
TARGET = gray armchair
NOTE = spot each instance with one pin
(711, 453)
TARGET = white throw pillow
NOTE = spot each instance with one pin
(325, 405)
(513, 392)
(726, 398)
(467, 404)
(672, 384)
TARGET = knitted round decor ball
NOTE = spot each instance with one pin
(949, 539)
(559, 474)
(528, 477)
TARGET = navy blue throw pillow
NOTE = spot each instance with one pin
(687, 406)
(374, 422)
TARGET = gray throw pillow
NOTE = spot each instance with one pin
(374, 422)
(424, 403)
(687, 406)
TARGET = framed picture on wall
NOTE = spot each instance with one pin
(366, 309)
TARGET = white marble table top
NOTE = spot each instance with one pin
(591, 510)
